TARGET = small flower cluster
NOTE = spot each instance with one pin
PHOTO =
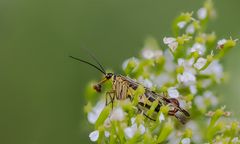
(185, 68)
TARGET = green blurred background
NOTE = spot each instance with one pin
(42, 90)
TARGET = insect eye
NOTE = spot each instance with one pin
(109, 75)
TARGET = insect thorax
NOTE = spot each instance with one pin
(121, 87)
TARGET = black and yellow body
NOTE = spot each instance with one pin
(123, 87)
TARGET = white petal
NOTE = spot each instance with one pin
(173, 92)
(190, 29)
(94, 135)
(161, 117)
(202, 13)
(107, 134)
(117, 114)
(148, 53)
(193, 89)
(168, 40)
(130, 131)
(142, 129)
(221, 42)
(186, 141)
(133, 59)
(199, 101)
(199, 48)
(94, 114)
(173, 46)
(133, 120)
(200, 63)
(146, 82)
(187, 78)
(92, 117)
(235, 140)
(181, 61)
(181, 24)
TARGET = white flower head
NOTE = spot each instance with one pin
(133, 59)
(202, 13)
(148, 53)
(201, 62)
(130, 131)
(168, 40)
(161, 117)
(193, 89)
(190, 29)
(181, 24)
(186, 141)
(117, 114)
(142, 128)
(94, 135)
(199, 48)
(221, 43)
(94, 114)
(187, 78)
(171, 42)
(173, 92)
(209, 95)
(214, 68)
(173, 46)
(235, 140)
(107, 134)
(146, 82)
(199, 101)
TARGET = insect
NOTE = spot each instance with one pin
(122, 88)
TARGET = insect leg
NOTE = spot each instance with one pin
(110, 94)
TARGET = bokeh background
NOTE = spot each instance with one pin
(42, 90)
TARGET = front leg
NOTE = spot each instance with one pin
(110, 94)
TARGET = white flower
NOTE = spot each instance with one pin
(199, 48)
(133, 120)
(171, 42)
(235, 140)
(146, 82)
(117, 114)
(215, 69)
(161, 117)
(173, 46)
(200, 63)
(186, 141)
(193, 89)
(181, 62)
(168, 40)
(209, 95)
(141, 129)
(169, 64)
(187, 78)
(190, 29)
(173, 92)
(199, 101)
(94, 135)
(94, 114)
(148, 53)
(130, 131)
(181, 24)
(107, 134)
(221, 43)
(162, 79)
(202, 13)
(133, 59)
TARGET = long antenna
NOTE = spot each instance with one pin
(101, 66)
(95, 59)
(86, 62)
